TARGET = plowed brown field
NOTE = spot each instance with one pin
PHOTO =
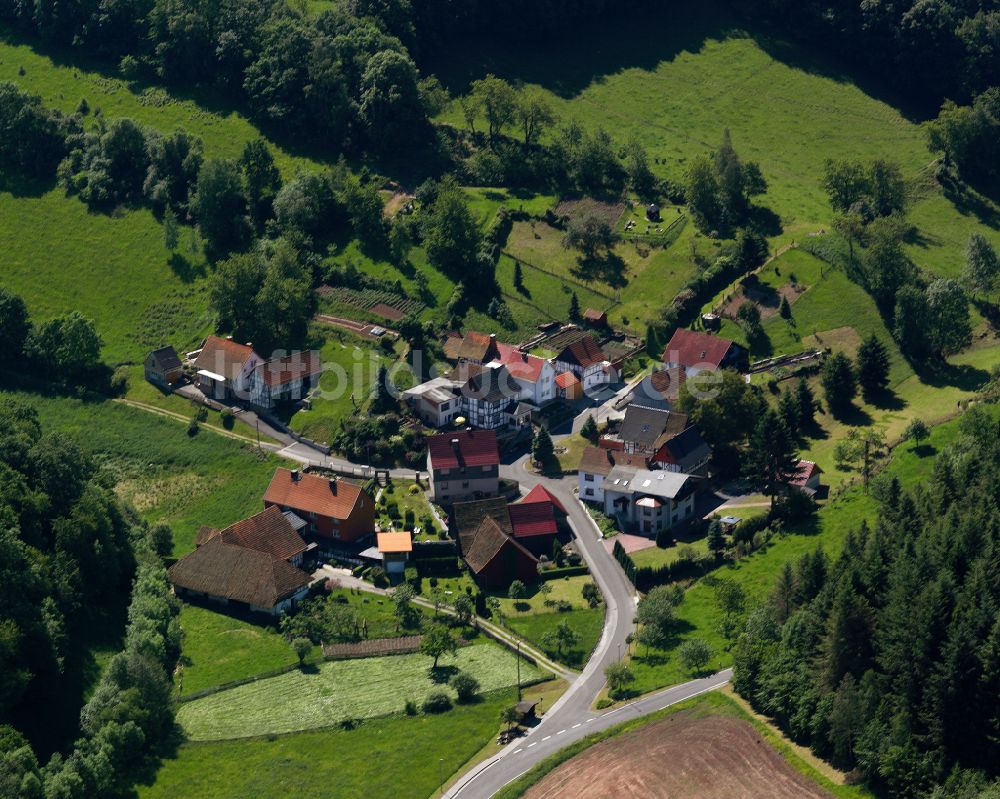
(679, 757)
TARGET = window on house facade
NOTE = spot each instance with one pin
(589, 478)
(589, 492)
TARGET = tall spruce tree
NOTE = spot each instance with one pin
(873, 366)
(772, 461)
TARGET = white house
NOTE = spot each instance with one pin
(646, 501)
(595, 464)
(437, 402)
(285, 379)
(535, 376)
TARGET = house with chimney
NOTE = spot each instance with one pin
(697, 352)
(587, 361)
(252, 566)
(224, 367)
(332, 508)
(535, 376)
(463, 465)
(535, 521)
(285, 379)
(596, 463)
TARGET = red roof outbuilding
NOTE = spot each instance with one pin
(533, 519)
(540, 494)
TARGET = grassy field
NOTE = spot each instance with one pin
(423, 751)
(833, 312)
(63, 83)
(676, 79)
(408, 496)
(585, 622)
(167, 475)
(220, 649)
(699, 616)
(336, 690)
(714, 704)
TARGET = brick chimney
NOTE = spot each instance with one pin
(333, 485)
(295, 475)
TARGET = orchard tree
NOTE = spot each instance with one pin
(948, 329)
(438, 641)
(498, 101)
(591, 234)
(534, 114)
(873, 366)
(563, 637)
(695, 653)
(982, 265)
(618, 675)
(916, 431)
(517, 591)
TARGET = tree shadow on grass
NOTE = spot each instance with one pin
(609, 269)
(961, 376)
(886, 400)
(442, 674)
(764, 221)
(970, 202)
(853, 416)
(924, 450)
(25, 188)
(186, 271)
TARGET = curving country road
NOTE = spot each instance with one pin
(571, 717)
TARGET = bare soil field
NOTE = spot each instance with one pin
(679, 757)
(588, 205)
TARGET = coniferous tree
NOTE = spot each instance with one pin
(788, 409)
(542, 450)
(807, 403)
(771, 461)
(574, 308)
(873, 366)
(839, 382)
(589, 430)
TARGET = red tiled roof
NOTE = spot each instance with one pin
(464, 448)
(541, 494)
(335, 499)
(520, 364)
(268, 531)
(566, 379)
(533, 519)
(806, 470)
(593, 315)
(689, 348)
(583, 352)
(238, 573)
(223, 356)
(297, 366)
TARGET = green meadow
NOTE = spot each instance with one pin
(675, 80)
(351, 764)
(167, 475)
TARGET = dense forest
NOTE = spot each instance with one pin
(887, 659)
(68, 554)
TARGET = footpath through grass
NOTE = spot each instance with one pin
(345, 689)
(398, 756)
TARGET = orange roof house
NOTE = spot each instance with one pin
(333, 508)
(568, 386)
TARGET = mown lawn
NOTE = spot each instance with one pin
(219, 649)
(565, 589)
(422, 751)
(585, 622)
(169, 476)
(699, 615)
(336, 690)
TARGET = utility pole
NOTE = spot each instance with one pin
(867, 446)
(441, 774)
(257, 420)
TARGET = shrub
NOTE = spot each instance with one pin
(410, 707)
(228, 419)
(437, 702)
(119, 381)
(466, 686)
(603, 702)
